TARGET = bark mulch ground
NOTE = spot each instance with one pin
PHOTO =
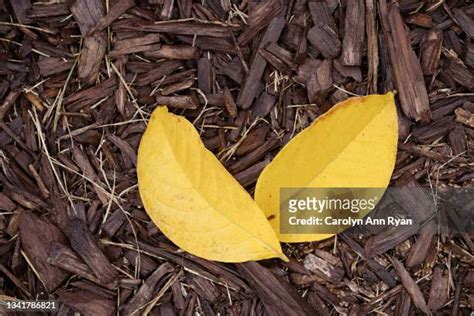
(79, 79)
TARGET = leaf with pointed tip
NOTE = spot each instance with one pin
(192, 198)
(353, 145)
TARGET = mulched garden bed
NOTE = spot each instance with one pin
(79, 79)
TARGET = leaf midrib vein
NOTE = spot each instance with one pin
(205, 198)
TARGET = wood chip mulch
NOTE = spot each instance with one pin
(79, 79)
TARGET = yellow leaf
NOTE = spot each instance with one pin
(353, 145)
(192, 198)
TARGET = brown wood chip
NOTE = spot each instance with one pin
(37, 236)
(406, 67)
(179, 101)
(431, 51)
(173, 52)
(87, 303)
(87, 247)
(249, 89)
(194, 28)
(354, 33)
(147, 290)
(278, 297)
(410, 285)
